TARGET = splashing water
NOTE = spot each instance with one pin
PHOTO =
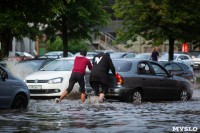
(92, 100)
(18, 69)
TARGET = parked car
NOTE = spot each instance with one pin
(14, 92)
(56, 54)
(27, 67)
(180, 69)
(143, 56)
(19, 56)
(196, 62)
(194, 54)
(140, 80)
(117, 55)
(89, 54)
(52, 80)
(105, 51)
(178, 57)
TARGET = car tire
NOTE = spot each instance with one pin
(137, 97)
(20, 102)
(184, 96)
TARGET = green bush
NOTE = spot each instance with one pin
(73, 46)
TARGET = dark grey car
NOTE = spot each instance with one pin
(180, 69)
(140, 80)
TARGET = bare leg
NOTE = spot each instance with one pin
(101, 96)
(82, 97)
(63, 95)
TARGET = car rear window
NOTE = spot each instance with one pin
(122, 66)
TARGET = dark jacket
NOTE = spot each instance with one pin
(102, 63)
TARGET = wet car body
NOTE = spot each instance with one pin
(13, 92)
(180, 69)
(143, 76)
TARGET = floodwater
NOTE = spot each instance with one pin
(109, 117)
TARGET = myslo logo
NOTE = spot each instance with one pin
(184, 129)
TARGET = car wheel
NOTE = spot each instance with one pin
(184, 95)
(137, 97)
(20, 102)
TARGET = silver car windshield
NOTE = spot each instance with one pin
(59, 65)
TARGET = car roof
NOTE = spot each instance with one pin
(178, 54)
(72, 58)
(144, 53)
(133, 59)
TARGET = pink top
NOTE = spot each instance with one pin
(80, 64)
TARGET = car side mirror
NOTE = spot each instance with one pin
(3, 76)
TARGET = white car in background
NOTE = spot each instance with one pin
(56, 54)
(178, 57)
(52, 80)
(196, 62)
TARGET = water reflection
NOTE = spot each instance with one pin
(74, 116)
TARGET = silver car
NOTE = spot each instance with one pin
(14, 92)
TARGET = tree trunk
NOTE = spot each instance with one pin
(6, 41)
(171, 48)
(64, 36)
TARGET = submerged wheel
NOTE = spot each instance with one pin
(184, 96)
(137, 97)
(20, 102)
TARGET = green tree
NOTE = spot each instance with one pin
(77, 20)
(20, 18)
(74, 46)
(159, 20)
(68, 19)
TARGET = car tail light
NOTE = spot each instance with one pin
(119, 80)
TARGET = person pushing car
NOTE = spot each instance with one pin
(78, 75)
(102, 63)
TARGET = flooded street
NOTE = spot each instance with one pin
(74, 116)
(108, 117)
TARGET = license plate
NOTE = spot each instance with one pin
(36, 87)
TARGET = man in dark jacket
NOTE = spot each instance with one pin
(78, 74)
(102, 63)
(154, 54)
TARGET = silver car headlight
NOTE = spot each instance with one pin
(56, 80)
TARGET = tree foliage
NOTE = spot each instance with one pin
(19, 18)
(77, 20)
(68, 19)
(74, 46)
(158, 21)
